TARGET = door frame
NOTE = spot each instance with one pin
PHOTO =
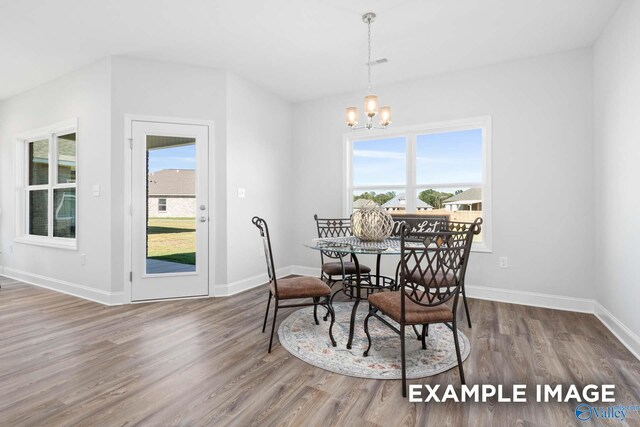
(128, 202)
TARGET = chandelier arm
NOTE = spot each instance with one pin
(361, 127)
(357, 128)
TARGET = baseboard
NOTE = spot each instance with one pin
(625, 335)
(74, 289)
(305, 271)
(534, 299)
(117, 298)
(248, 283)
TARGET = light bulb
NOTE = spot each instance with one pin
(352, 116)
(371, 105)
(385, 116)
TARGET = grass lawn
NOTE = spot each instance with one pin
(172, 239)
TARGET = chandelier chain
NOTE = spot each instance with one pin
(369, 53)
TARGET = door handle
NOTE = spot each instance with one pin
(203, 219)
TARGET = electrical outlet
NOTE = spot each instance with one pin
(83, 259)
(242, 193)
(504, 263)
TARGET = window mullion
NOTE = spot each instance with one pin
(25, 176)
(411, 173)
(52, 173)
(27, 209)
(348, 177)
(37, 187)
(54, 160)
(70, 185)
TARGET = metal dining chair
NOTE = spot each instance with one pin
(342, 267)
(442, 257)
(433, 223)
(292, 288)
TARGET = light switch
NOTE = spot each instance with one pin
(96, 190)
(241, 193)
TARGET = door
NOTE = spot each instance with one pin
(170, 210)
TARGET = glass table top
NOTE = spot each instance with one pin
(353, 245)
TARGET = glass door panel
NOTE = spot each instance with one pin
(171, 204)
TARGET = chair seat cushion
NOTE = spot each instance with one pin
(335, 268)
(415, 314)
(300, 287)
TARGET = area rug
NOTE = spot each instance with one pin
(310, 342)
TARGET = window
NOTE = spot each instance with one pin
(47, 210)
(162, 205)
(430, 170)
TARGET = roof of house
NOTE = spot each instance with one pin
(172, 182)
(364, 203)
(400, 201)
(66, 150)
(472, 195)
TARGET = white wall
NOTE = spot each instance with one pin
(252, 150)
(617, 166)
(84, 94)
(259, 160)
(541, 112)
(168, 90)
(542, 156)
(256, 155)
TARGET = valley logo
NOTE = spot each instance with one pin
(586, 412)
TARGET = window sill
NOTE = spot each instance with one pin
(59, 243)
(482, 248)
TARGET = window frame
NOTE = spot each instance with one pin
(162, 205)
(23, 188)
(411, 186)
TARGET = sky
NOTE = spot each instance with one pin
(182, 157)
(441, 158)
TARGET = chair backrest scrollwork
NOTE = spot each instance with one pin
(418, 223)
(333, 227)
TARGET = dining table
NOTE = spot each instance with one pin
(355, 284)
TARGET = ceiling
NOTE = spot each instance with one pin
(299, 49)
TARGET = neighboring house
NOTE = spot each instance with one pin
(399, 203)
(364, 203)
(172, 193)
(468, 200)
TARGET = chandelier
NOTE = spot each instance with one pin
(371, 108)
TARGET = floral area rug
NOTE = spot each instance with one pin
(310, 342)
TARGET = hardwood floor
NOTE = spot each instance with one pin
(66, 361)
